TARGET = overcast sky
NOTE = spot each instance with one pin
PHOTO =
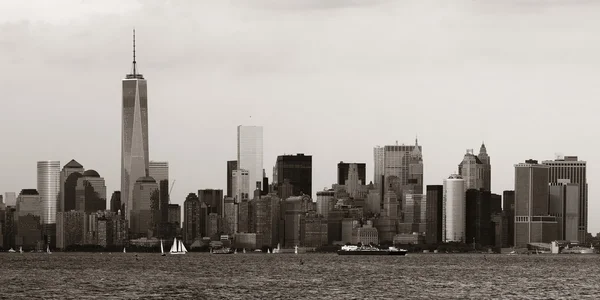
(330, 78)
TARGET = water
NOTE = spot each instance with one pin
(304, 276)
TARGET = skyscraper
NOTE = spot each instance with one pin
(508, 209)
(145, 192)
(69, 175)
(90, 193)
(575, 171)
(454, 209)
(378, 159)
(435, 209)
(403, 169)
(231, 166)
(48, 186)
(250, 154)
(191, 216)
(297, 169)
(134, 136)
(564, 205)
(213, 200)
(532, 222)
(343, 171)
(471, 169)
(487, 167)
(240, 184)
(10, 198)
(159, 170)
(115, 202)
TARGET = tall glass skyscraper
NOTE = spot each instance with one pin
(250, 154)
(134, 143)
(48, 186)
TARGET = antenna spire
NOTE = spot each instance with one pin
(134, 62)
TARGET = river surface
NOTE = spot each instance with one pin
(303, 276)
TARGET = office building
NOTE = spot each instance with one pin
(454, 209)
(191, 218)
(230, 216)
(48, 186)
(379, 162)
(159, 170)
(343, 172)
(240, 185)
(29, 202)
(231, 166)
(564, 205)
(478, 228)
(90, 192)
(434, 210)
(325, 202)
(532, 222)
(213, 199)
(297, 170)
(69, 175)
(134, 136)
(575, 171)
(313, 230)
(175, 215)
(115, 202)
(508, 210)
(294, 208)
(70, 229)
(145, 191)
(250, 154)
(414, 217)
(10, 199)
(471, 169)
(487, 167)
(403, 169)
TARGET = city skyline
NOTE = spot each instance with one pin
(288, 132)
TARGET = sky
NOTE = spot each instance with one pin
(330, 78)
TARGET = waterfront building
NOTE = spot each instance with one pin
(478, 228)
(175, 215)
(191, 218)
(247, 240)
(212, 226)
(250, 154)
(230, 217)
(294, 209)
(9, 229)
(365, 234)
(231, 166)
(434, 210)
(575, 171)
(564, 205)
(48, 186)
(454, 209)
(134, 136)
(145, 191)
(508, 210)
(414, 238)
(532, 222)
(297, 170)
(313, 230)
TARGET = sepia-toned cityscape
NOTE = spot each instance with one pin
(70, 210)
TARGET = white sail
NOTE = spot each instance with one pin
(124, 251)
(48, 249)
(295, 249)
(269, 251)
(162, 250)
(174, 246)
(182, 247)
(20, 249)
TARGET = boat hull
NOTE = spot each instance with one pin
(176, 253)
(373, 252)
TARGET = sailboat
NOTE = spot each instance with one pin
(20, 249)
(178, 247)
(162, 250)
(295, 249)
(124, 250)
(48, 249)
(269, 251)
(11, 250)
(244, 250)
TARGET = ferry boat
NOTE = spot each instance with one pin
(369, 250)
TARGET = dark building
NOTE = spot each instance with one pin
(191, 222)
(115, 202)
(478, 217)
(508, 207)
(175, 215)
(90, 192)
(231, 166)
(70, 191)
(9, 229)
(213, 200)
(297, 169)
(344, 168)
(434, 211)
(163, 187)
(495, 203)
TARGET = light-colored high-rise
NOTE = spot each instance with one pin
(159, 170)
(10, 198)
(134, 136)
(403, 169)
(471, 169)
(48, 186)
(250, 154)
(378, 159)
(240, 185)
(573, 170)
(454, 209)
(486, 160)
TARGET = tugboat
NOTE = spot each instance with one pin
(370, 250)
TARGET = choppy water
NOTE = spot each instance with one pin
(319, 276)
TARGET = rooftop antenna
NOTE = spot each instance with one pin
(134, 62)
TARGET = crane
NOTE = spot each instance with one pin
(171, 189)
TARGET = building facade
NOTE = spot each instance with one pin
(191, 218)
(134, 136)
(231, 166)
(471, 169)
(454, 209)
(343, 172)
(240, 185)
(250, 154)
(145, 191)
(297, 170)
(435, 209)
